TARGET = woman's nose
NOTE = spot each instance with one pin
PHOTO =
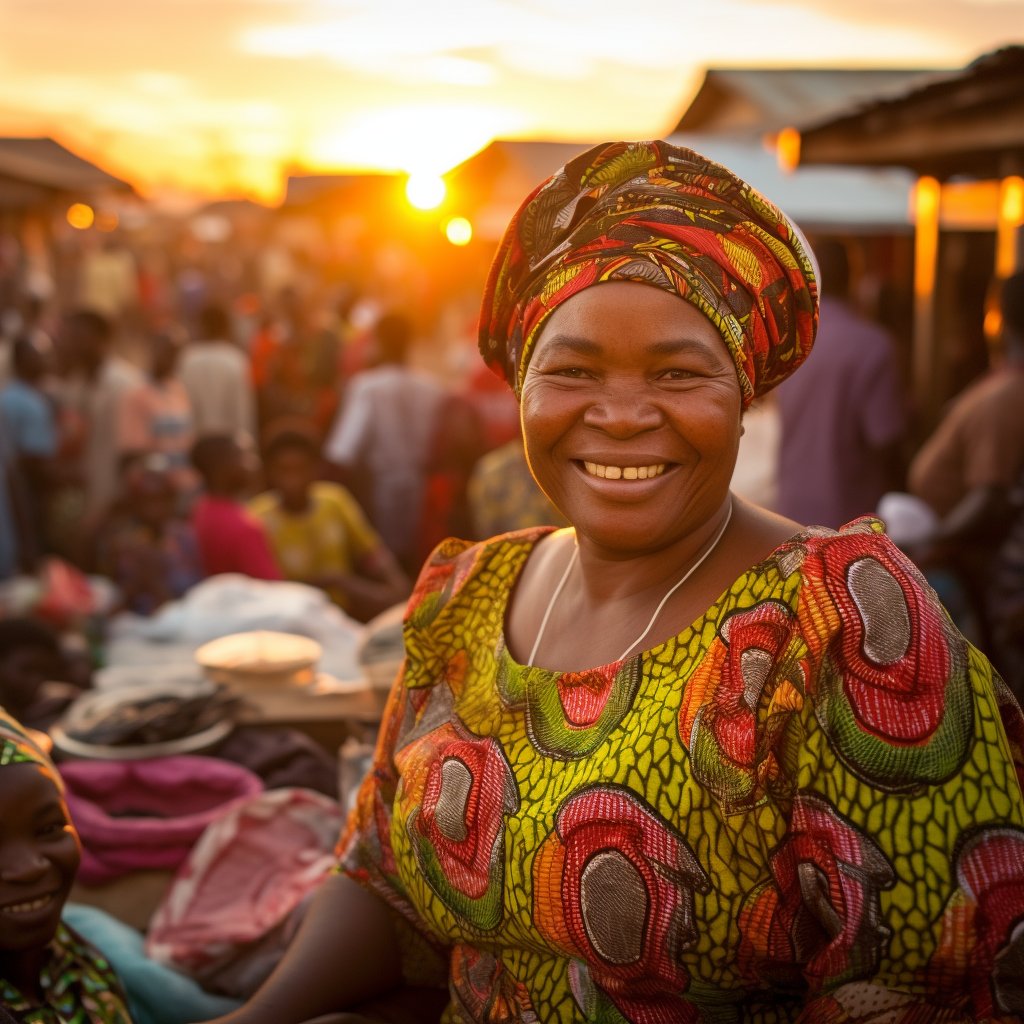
(622, 411)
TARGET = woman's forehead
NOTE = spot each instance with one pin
(629, 311)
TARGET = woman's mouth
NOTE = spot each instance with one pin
(624, 472)
(28, 906)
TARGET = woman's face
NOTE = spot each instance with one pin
(631, 415)
(39, 856)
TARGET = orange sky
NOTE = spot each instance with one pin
(227, 96)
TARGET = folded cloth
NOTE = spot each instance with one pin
(233, 905)
(134, 815)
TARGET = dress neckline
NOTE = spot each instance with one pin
(679, 638)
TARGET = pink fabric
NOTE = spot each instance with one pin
(225, 918)
(148, 814)
(232, 539)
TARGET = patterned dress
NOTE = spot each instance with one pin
(79, 986)
(806, 805)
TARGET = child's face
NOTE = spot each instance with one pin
(291, 473)
(39, 856)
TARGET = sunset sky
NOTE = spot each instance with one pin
(228, 96)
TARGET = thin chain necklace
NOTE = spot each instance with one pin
(657, 611)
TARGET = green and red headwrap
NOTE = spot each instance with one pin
(664, 216)
(18, 747)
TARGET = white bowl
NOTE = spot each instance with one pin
(260, 658)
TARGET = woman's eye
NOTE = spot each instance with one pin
(676, 373)
(571, 371)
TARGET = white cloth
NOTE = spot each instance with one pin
(232, 603)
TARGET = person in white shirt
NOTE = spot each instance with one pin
(215, 372)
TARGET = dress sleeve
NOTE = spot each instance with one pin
(899, 885)
(365, 851)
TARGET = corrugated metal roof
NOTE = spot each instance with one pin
(767, 99)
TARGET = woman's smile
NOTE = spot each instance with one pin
(29, 907)
(606, 472)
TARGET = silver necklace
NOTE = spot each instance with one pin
(657, 611)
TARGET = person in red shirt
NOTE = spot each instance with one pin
(231, 538)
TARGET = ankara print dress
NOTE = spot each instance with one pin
(807, 805)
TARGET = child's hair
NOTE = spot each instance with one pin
(288, 436)
(209, 453)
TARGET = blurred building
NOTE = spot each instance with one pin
(47, 193)
(961, 134)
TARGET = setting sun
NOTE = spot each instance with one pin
(425, 191)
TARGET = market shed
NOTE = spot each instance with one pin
(962, 135)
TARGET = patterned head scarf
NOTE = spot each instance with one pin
(18, 747)
(664, 216)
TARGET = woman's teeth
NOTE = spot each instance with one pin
(624, 472)
(27, 907)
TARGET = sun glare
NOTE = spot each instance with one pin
(459, 231)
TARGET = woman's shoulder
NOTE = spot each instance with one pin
(454, 563)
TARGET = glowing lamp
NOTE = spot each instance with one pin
(425, 191)
(80, 216)
(459, 231)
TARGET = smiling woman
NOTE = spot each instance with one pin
(47, 972)
(684, 760)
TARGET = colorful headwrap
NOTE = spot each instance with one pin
(665, 216)
(18, 747)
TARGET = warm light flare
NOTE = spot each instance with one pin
(80, 216)
(787, 149)
(425, 191)
(1008, 227)
(459, 231)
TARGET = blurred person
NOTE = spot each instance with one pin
(295, 360)
(319, 533)
(503, 496)
(38, 677)
(93, 390)
(147, 547)
(108, 278)
(381, 438)
(843, 418)
(156, 416)
(230, 537)
(969, 471)
(48, 972)
(456, 446)
(215, 373)
(28, 422)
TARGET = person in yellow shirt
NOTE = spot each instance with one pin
(319, 533)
